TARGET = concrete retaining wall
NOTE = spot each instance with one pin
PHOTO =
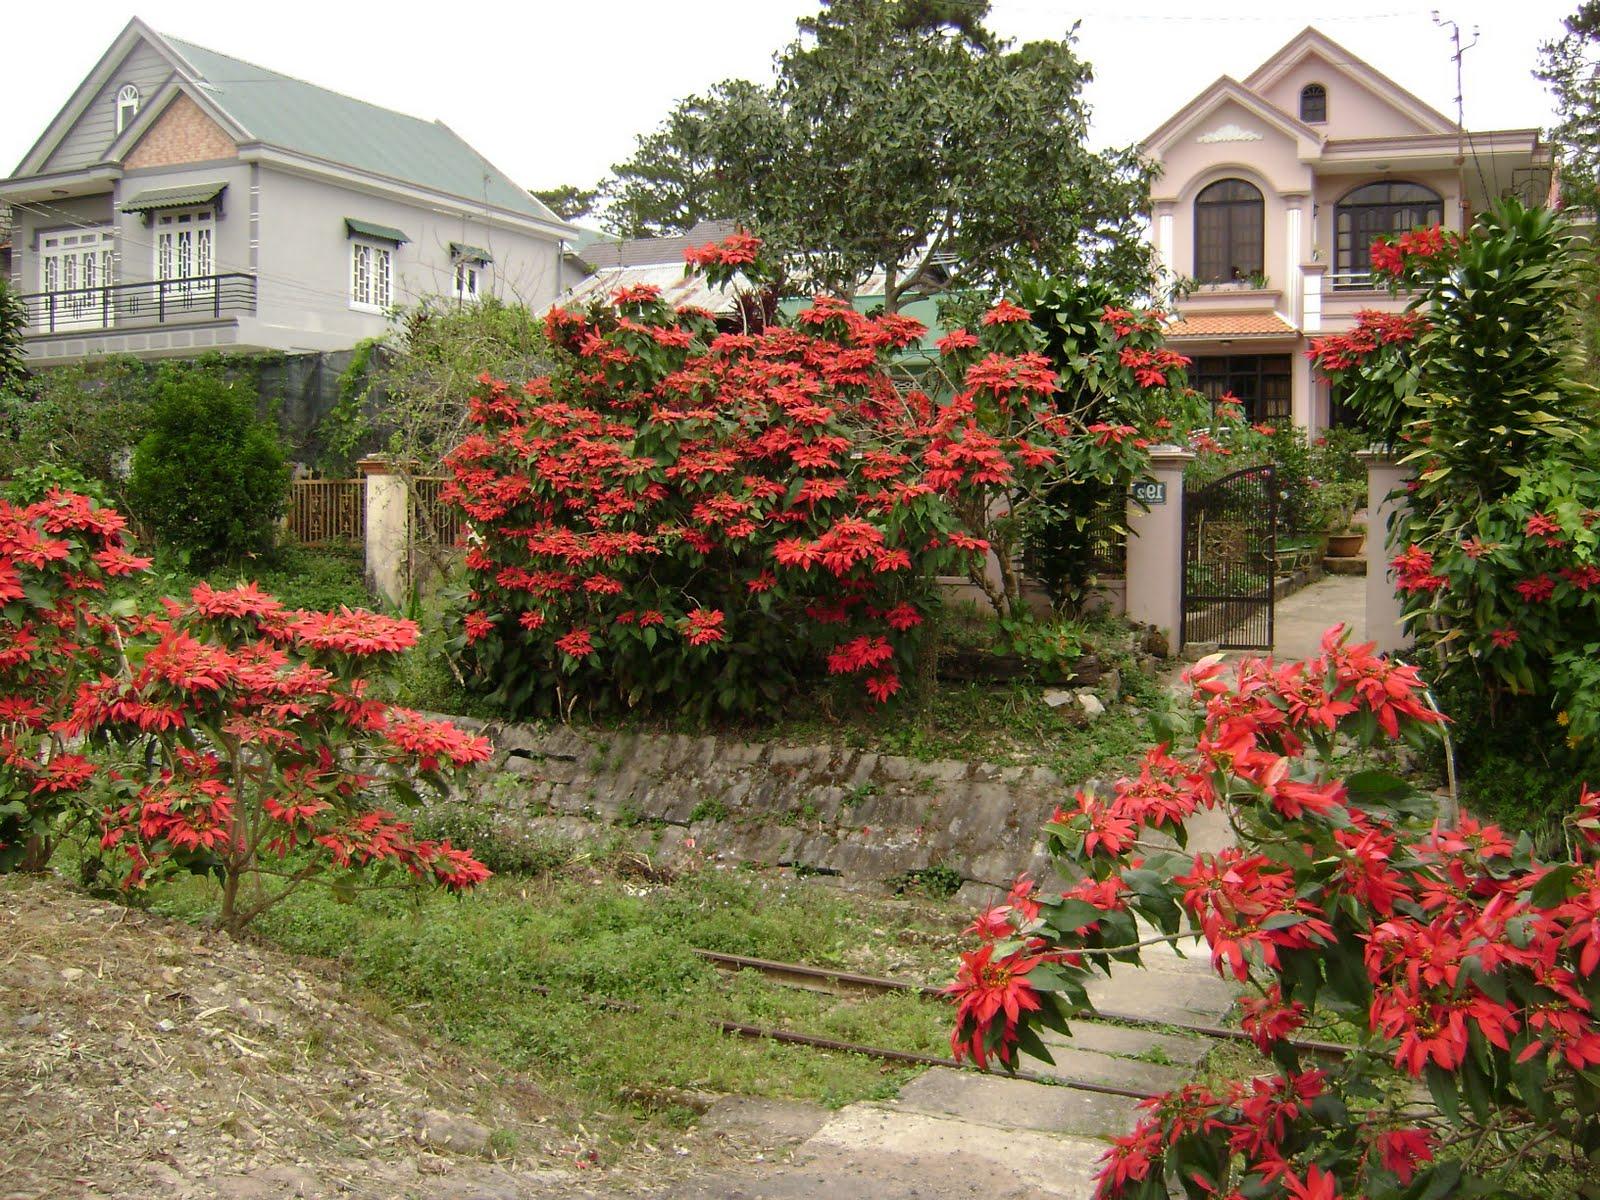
(830, 809)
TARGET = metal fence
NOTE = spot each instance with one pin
(328, 510)
(1107, 534)
(432, 519)
(131, 305)
(335, 510)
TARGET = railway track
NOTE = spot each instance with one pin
(848, 982)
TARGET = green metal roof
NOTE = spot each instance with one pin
(306, 119)
(174, 197)
(354, 227)
(466, 253)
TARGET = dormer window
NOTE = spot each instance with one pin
(127, 106)
(1314, 104)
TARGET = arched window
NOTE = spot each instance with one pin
(1377, 210)
(1313, 104)
(127, 106)
(1228, 218)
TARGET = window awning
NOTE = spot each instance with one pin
(461, 252)
(188, 196)
(383, 233)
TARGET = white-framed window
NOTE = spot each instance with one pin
(185, 263)
(371, 276)
(468, 277)
(74, 268)
(127, 105)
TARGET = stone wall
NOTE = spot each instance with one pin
(864, 817)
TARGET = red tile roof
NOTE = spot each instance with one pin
(1231, 325)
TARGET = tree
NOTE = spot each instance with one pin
(1570, 64)
(675, 179)
(209, 477)
(906, 140)
(568, 201)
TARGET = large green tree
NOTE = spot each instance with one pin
(1570, 64)
(568, 201)
(901, 138)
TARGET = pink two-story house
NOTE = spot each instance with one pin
(1270, 194)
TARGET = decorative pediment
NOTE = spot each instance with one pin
(1230, 132)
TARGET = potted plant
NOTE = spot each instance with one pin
(1349, 541)
(1333, 510)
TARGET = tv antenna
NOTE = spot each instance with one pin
(1461, 128)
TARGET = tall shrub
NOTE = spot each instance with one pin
(1479, 385)
(209, 477)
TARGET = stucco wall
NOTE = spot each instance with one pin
(1271, 163)
(303, 297)
(1353, 110)
(136, 238)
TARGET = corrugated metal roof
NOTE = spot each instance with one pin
(676, 288)
(174, 197)
(1242, 324)
(384, 233)
(301, 117)
(637, 252)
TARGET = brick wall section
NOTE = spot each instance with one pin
(182, 134)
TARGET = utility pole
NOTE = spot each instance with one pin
(1461, 128)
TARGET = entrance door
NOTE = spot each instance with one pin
(75, 268)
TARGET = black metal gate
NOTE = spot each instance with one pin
(1230, 558)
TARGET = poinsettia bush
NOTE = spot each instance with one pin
(1498, 552)
(226, 735)
(56, 558)
(677, 515)
(1467, 968)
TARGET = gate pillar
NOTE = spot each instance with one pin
(1155, 545)
(1385, 478)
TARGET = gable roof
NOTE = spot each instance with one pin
(604, 252)
(1313, 41)
(301, 117)
(1227, 88)
(277, 110)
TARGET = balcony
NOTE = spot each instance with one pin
(128, 306)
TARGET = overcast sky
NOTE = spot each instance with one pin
(556, 92)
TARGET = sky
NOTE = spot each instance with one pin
(555, 93)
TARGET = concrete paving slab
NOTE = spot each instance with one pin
(1018, 1103)
(871, 1152)
(1125, 1041)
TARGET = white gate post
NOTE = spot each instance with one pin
(1155, 545)
(388, 530)
(1385, 480)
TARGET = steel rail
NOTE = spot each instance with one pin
(850, 979)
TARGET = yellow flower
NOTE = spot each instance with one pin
(1563, 718)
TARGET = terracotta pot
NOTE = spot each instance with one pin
(1345, 545)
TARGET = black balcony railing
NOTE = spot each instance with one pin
(131, 305)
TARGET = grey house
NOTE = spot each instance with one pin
(184, 200)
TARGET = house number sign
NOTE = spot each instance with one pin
(1150, 492)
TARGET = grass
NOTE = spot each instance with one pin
(517, 971)
(314, 577)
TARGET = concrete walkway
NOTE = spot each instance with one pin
(1300, 619)
(958, 1135)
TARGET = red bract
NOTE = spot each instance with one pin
(986, 988)
(248, 723)
(1474, 964)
